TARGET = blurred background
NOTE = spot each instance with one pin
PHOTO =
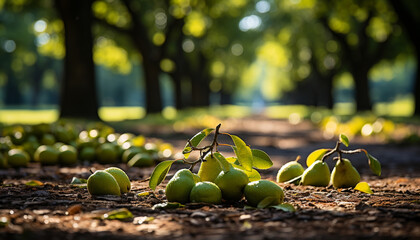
(124, 59)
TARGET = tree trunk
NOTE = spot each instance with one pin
(13, 95)
(78, 89)
(361, 88)
(200, 84)
(417, 85)
(152, 86)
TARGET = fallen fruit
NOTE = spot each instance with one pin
(103, 183)
(206, 192)
(344, 175)
(257, 191)
(121, 177)
(179, 187)
(318, 174)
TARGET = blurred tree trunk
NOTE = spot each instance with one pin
(78, 90)
(407, 16)
(200, 83)
(360, 58)
(13, 95)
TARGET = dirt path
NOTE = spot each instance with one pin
(58, 211)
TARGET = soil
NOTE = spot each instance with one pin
(57, 210)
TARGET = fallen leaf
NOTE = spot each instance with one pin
(74, 209)
(34, 183)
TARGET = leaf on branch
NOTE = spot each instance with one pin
(363, 187)
(159, 173)
(226, 166)
(315, 155)
(243, 153)
(374, 164)
(260, 159)
(195, 140)
(344, 139)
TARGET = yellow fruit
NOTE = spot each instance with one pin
(318, 174)
(196, 178)
(209, 169)
(257, 191)
(206, 192)
(344, 175)
(232, 184)
(289, 171)
(47, 155)
(121, 177)
(17, 158)
(103, 183)
(179, 187)
(68, 155)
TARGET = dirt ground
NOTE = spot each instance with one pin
(57, 210)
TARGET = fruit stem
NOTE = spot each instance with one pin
(335, 149)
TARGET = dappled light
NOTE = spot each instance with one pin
(227, 119)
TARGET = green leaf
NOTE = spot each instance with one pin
(287, 207)
(315, 155)
(121, 214)
(34, 183)
(243, 153)
(363, 187)
(254, 175)
(167, 205)
(374, 164)
(232, 160)
(159, 173)
(143, 194)
(344, 139)
(226, 166)
(267, 202)
(195, 140)
(260, 159)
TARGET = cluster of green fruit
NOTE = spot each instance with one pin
(344, 174)
(111, 181)
(62, 143)
(219, 178)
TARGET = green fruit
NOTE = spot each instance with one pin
(257, 191)
(103, 183)
(209, 169)
(206, 192)
(47, 155)
(318, 174)
(107, 153)
(344, 175)
(68, 155)
(232, 183)
(17, 158)
(129, 153)
(179, 187)
(121, 177)
(87, 153)
(289, 171)
(47, 139)
(141, 160)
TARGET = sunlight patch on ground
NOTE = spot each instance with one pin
(113, 114)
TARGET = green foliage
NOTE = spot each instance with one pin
(195, 140)
(159, 173)
(243, 152)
